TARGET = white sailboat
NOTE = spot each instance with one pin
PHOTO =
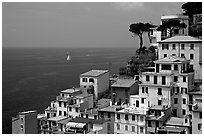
(68, 57)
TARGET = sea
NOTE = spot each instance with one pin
(32, 77)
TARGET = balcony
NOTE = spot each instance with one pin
(51, 109)
(65, 99)
(175, 84)
(187, 71)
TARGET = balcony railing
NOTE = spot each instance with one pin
(60, 98)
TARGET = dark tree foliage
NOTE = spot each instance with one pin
(191, 8)
(171, 24)
(139, 28)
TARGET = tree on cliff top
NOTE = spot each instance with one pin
(138, 29)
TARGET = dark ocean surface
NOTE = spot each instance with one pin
(32, 77)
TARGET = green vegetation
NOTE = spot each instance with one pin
(144, 58)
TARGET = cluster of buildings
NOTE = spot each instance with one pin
(167, 99)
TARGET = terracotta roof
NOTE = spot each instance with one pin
(171, 59)
(94, 73)
(179, 39)
(123, 83)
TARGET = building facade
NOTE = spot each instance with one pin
(98, 79)
(25, 123)
(184, 46)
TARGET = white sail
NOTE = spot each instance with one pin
(68, 57)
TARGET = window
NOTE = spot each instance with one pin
(60, 104)
(176, 31)
(143, 90)
(147, 77)
(133, 117)
(184, 101)
(84, 79)
(65, 113)
(191, 56)
(165, 46)
(155, 79)
(175, 78)
(165, 67)
(173, 46)
(70, 108)
(159, 91)
(141, 118)
(147, 90)
(77, 109)
(118, 116)
(141, 130)
(109, 115)
(21, 119)
(95, 116)
(163, 80)
(182, 46)
(200, 115)
(62, 95)
(191, 67)
(173, 54)
(118, 126)
(175, 100)
(175, 67)
(126, 117)
(192, 46)
(91, 80)
(133, 128)
(159, 102)
(21, 126)
(82, 115)
(186, 120)
(184, 78)
(165, 55)
(199, 126)
(142, 100)
(87, 115)
(65, 104)
(60, 113)
(184, 112)
(126, 127)
(182, 55)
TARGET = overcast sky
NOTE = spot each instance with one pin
(78, 24)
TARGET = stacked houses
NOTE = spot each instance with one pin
(167, 100)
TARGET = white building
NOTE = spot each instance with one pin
(99, 79)
(130, 120)
(183, 46)
(196, 111)
(155, 36)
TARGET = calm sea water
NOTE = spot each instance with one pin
(32, 77)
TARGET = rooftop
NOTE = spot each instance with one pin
(94, 73)
(134, 110)
(123, 83)
(27, 112)
(174, 16)
(83, 95)
(87, 120)
(175, 121)
(110, 108)
(172, 129)
(71, 90)
(157, 107)
(65, 121)
(57, 118)
(171, 59)
(179, 39)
